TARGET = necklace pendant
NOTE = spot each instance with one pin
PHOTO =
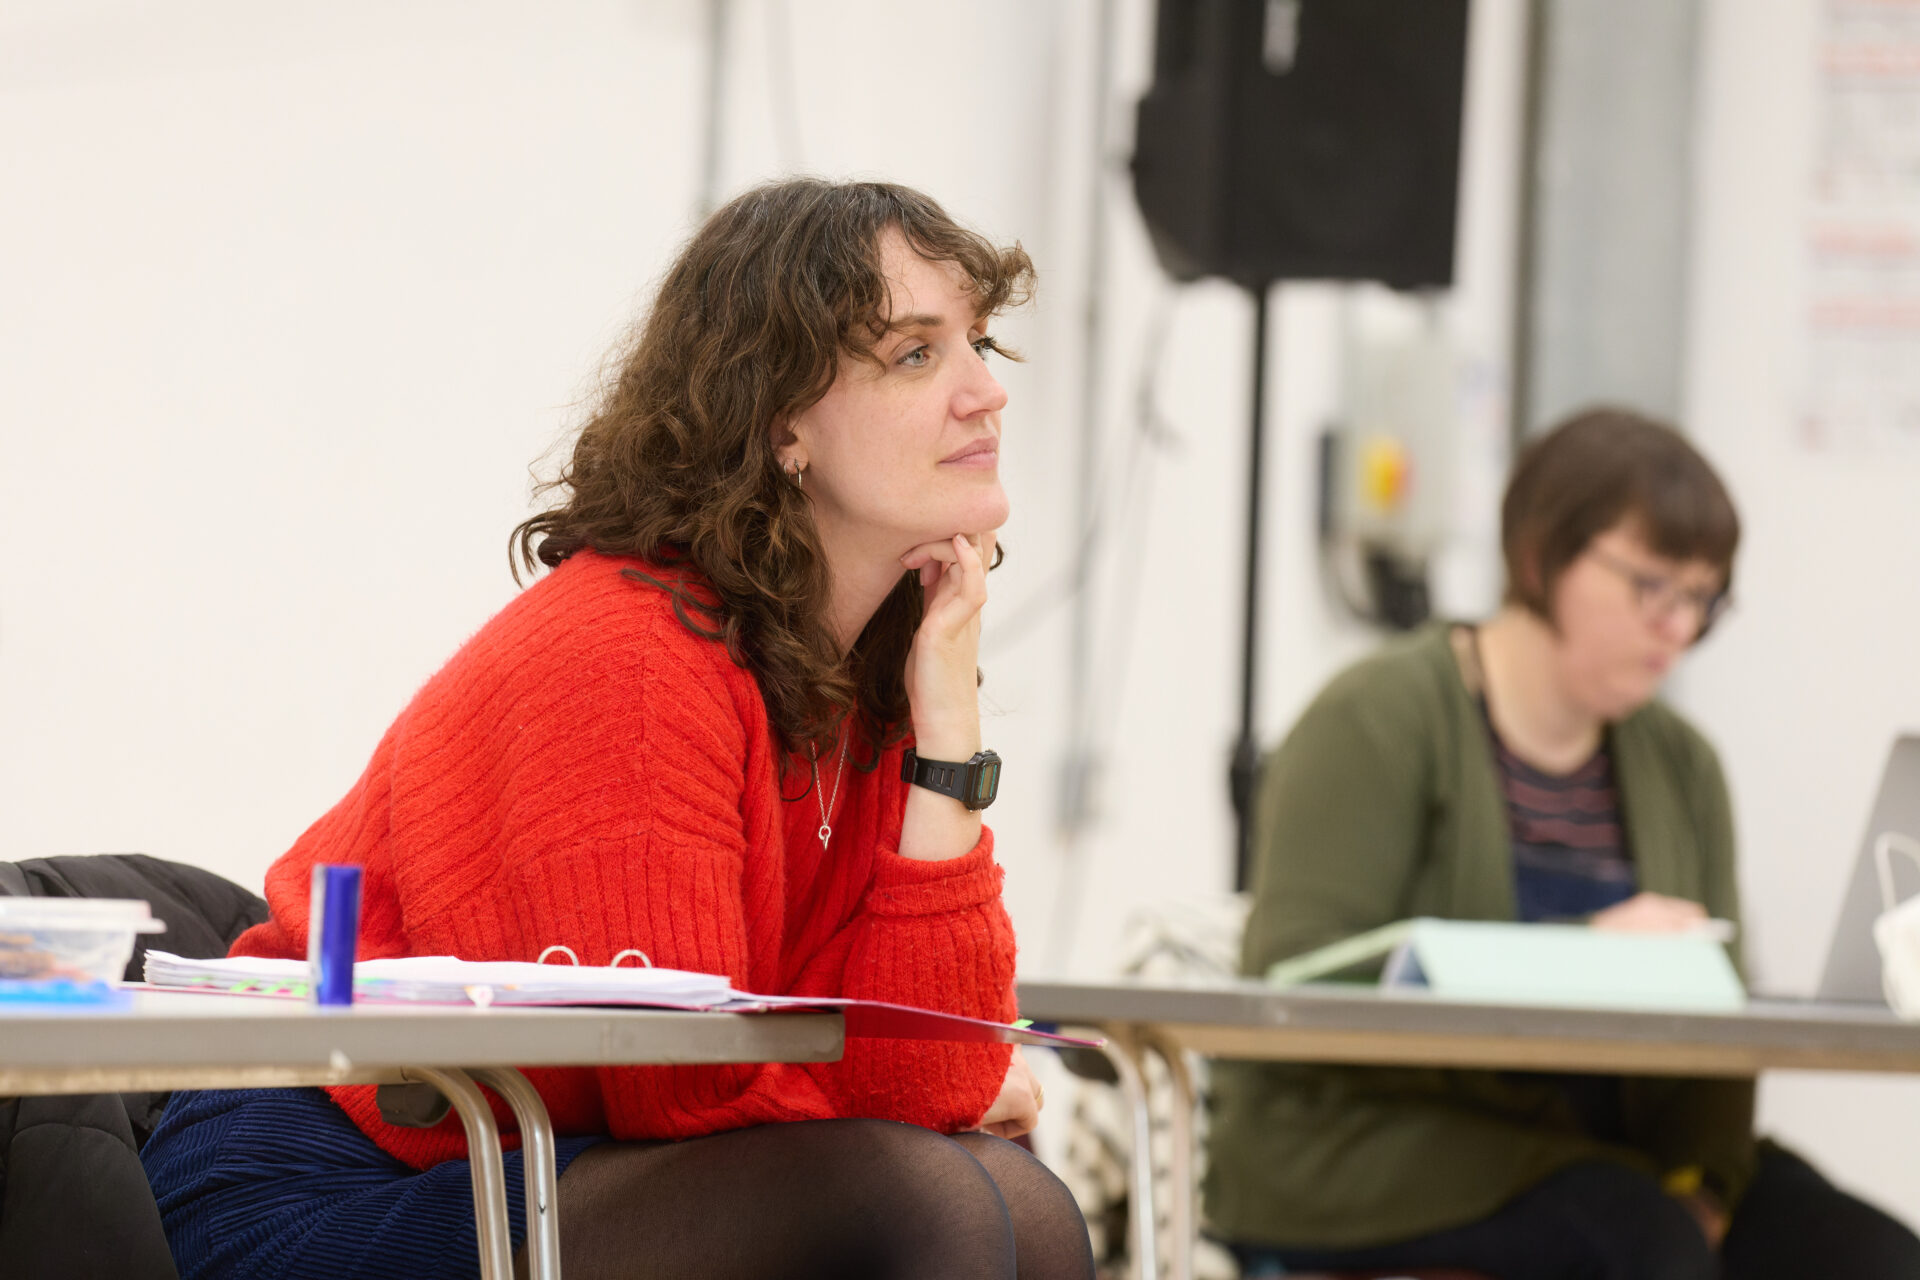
(827, 803)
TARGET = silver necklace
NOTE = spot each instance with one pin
(826, 805)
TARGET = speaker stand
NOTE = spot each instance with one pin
(1244, 773)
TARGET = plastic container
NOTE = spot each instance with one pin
(73, 940)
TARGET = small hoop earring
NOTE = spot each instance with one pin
(797, 474)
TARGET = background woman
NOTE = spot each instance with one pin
(768, 563)
(1523, 770)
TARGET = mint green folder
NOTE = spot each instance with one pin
(1536, 964)
(1342, 957)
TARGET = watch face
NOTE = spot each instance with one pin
(986, 781)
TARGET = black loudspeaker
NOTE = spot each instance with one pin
(1304, 139)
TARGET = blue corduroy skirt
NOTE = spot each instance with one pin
(278, 1184)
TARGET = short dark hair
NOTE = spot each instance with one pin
(1594, 470)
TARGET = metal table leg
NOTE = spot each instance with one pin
(489, 1177)
(1125, 1056)
(1182, 1222)
(537, 1159)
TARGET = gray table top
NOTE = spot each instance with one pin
(1367, 1025)
(177, 1039)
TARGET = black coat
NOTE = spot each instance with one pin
(74, 1201)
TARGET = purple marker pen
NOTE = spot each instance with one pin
(333, 932)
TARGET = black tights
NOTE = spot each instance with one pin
(846, 1199)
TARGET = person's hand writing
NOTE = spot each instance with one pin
(942, 675)
(1017, 1109)
(1651, 913)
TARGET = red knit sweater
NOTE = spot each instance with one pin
(587, 771)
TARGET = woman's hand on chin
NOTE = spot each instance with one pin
(943, 664)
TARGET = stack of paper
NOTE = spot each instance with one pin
(445, 980)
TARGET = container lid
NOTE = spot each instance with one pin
(79, 913)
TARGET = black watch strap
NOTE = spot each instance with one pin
(973, 783)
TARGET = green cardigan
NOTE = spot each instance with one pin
(1384, 803)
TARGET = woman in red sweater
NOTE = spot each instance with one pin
(768, 556)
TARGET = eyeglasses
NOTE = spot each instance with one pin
(1658, 596)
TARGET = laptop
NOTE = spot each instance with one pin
(1852, 975)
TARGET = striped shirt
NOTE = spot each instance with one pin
(1569, 860)
(1569, 848)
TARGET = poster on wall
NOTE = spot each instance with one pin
(1861, 389)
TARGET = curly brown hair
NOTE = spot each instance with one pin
(676, 463)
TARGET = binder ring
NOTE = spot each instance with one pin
(568, 951)
(630, 951)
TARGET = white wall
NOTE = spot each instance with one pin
(293, 298)
(1815, 672)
